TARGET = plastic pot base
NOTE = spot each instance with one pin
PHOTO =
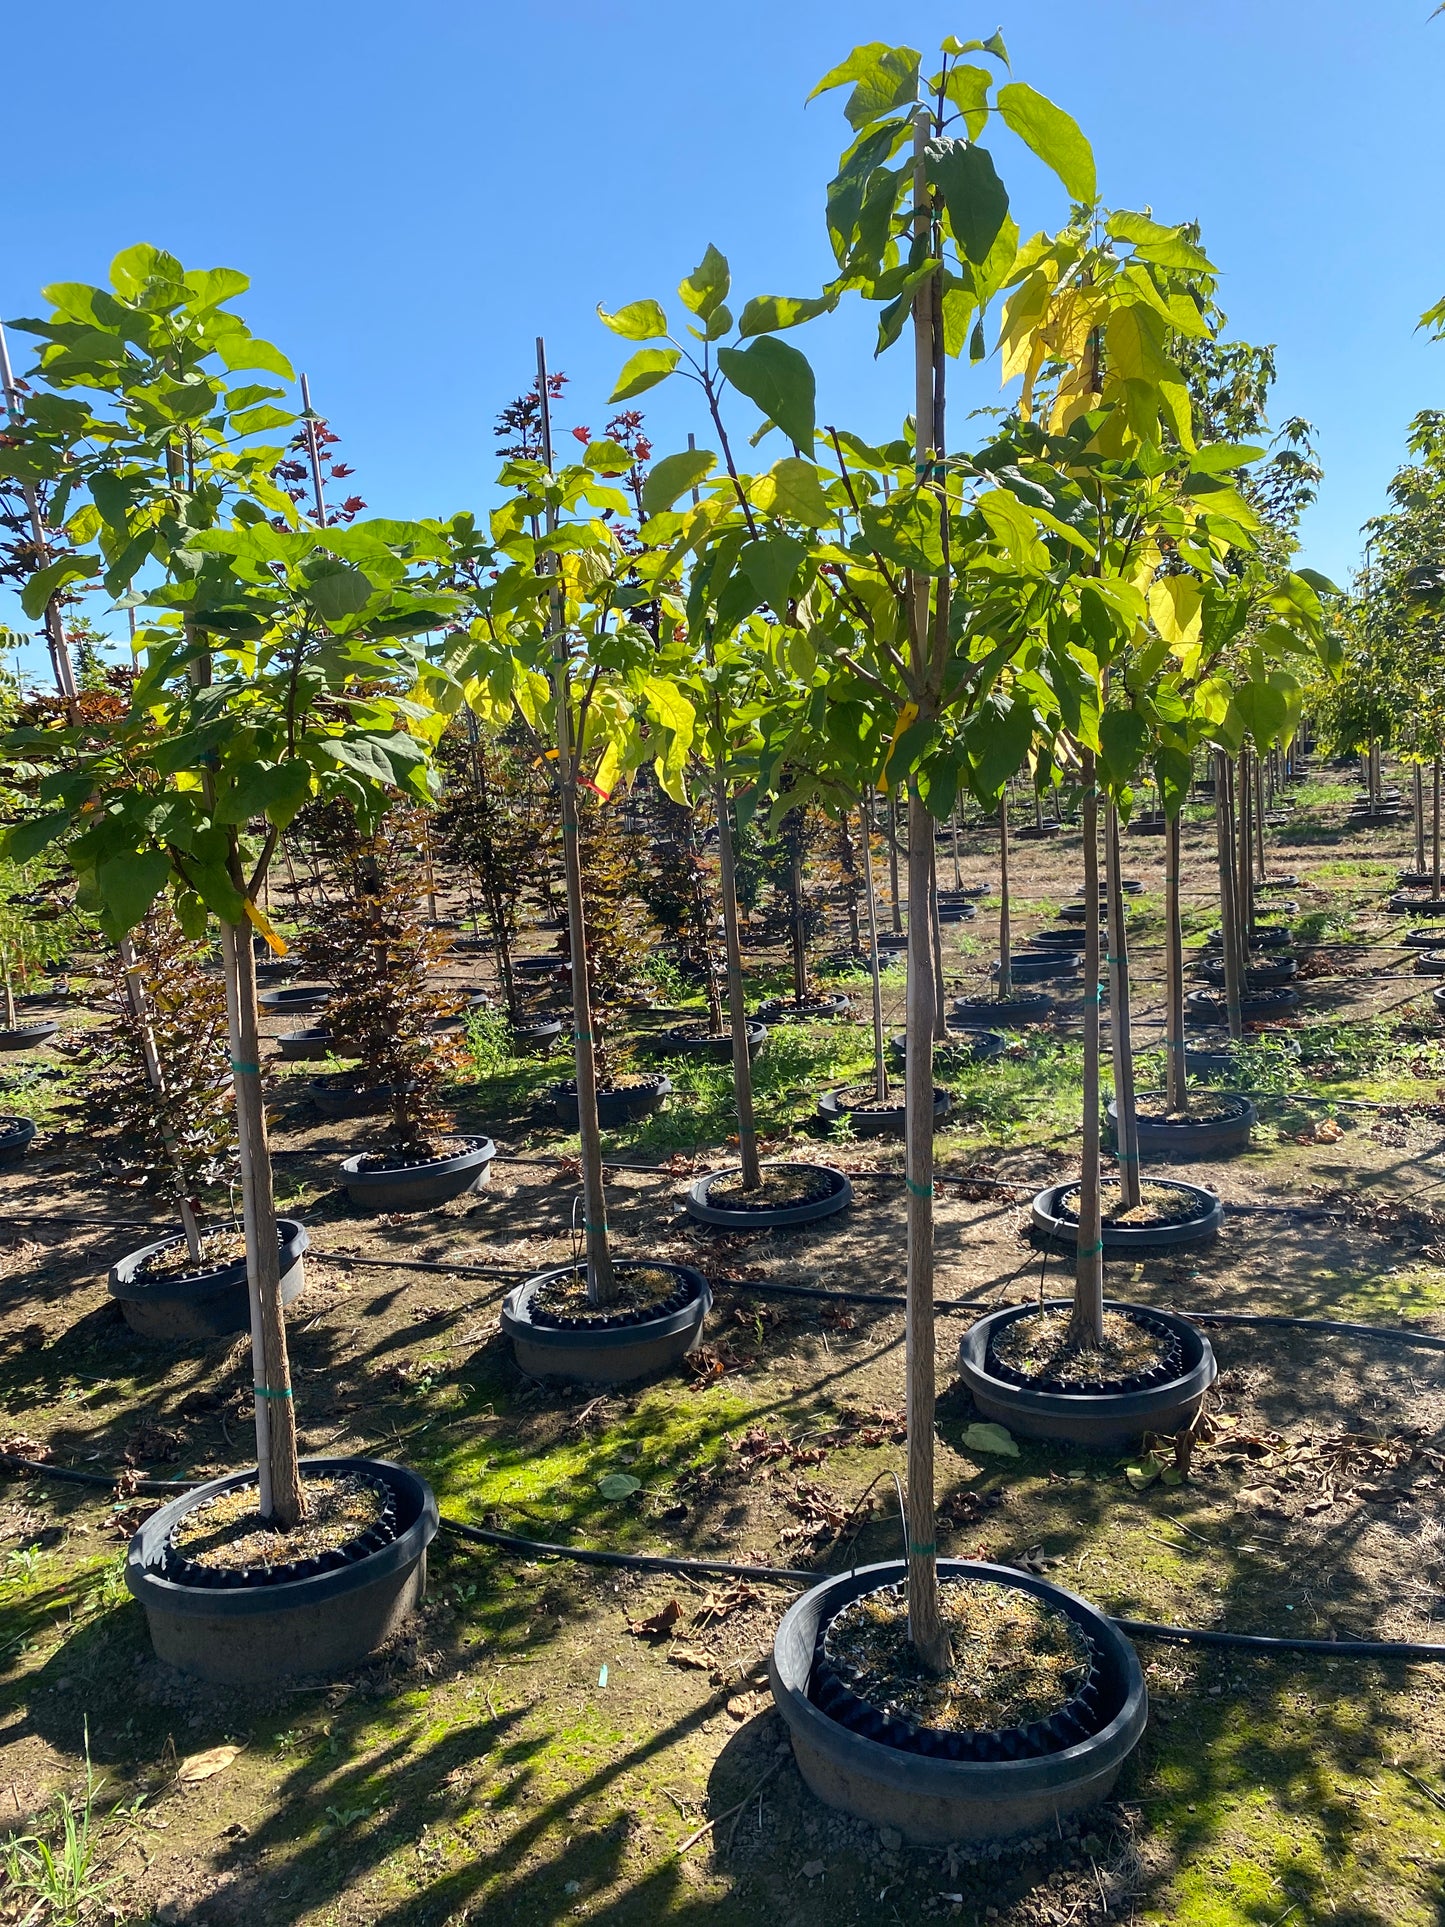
(1100, 1421)
(197, 1310)
(1053, 1228)
(325, 1623)
(934, 1801)
(778, 1217)
(612, 1354)
(415, 1187)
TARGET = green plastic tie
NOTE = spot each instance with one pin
(919, 1190)
(1087, 1251)
(254, 1069)
(916, 1551)
(266, 1391)
(1126, 1157)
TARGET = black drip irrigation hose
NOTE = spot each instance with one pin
(791, 1576)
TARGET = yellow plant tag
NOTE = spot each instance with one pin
(908, 714)
(265, 926)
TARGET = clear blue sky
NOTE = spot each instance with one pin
(417, 190)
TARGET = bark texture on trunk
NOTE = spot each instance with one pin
(1176, 1080)
(1126, 1124)
(737, 1004)
(1087, 1324)
(1005, 933)
(1228, 902)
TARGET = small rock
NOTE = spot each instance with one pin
(811, 1869)
(890, 1839)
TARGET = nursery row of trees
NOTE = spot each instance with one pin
(1095, 592)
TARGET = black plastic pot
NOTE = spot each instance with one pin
(294, 999)
(216, 1304)
(250, 1635)
(1430, 963)
(869, 1118)
(1267, 974)
(414, 1187)
(1008, 1013)
(957, 912)
(305, 1046)
(346, 1096)
(275, 970)
(974, 1045)
(787, 1010)
(28, 1036)
(17, 1134)
(1212, 1056)
(1272, 884)
(1101, 1421)
(1147, 823)
(767, 1217)
(965, 892)
(617, 1107)
(1437, 998)
(1043, 966)
(610, 1354)
(1263, 936)
(1035, 832)
(1405, 903)
(1054, 940)
(538, 966)
(933, 1801)
(1189, 1137)
(891, 941)
(711, 1050)
(536, 1040)
(1052, 1227)
(1209, 1007)
(1079, 913)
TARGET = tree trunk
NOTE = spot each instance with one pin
(925, 1621)
(1228, 915)
(155, 1077)
(1126, 1123)
(880, 1056)
(850, 883)
(1259, 818)
(1419, 821)
(935, 936)
(795, 891)
(281, 1496)
(1435, 832)
(1244, 862)
(601, 1284)
(1086, 1327)
(957, 872)
(1175, 1072)
(737, 1007)
(1005, 934)
(893, 861)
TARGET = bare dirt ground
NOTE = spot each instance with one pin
(526, 1754)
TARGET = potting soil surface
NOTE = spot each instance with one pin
(1040, 1346)
(1014, 1659)
(783, 1184)
(229, 1533)
(635, 1288)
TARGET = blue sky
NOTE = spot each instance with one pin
(417, 191)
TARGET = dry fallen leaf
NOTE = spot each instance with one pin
(200, 1766)
(659, 1625)
(693, 1656)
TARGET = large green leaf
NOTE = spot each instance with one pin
(55, 575)
(242, 350)
(771, 565)
(906, 531)
(337, 590)
(645, 369)
(775, 376)
(673, 476)
(28, 839)
(706, 288)
(765, 314)
(884, 77)
(973, 194)
(127, 886)
(998, 740)
(1123, 739)
(1166, 247)
(638, 321)
(1054, 136)
(791, 487)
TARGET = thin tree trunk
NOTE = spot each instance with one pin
(795, 890)
(880, 1056)
(1419, 821)
(1435, 849)
(1228, 916)
(601, 1283)
(1175, 1069)
(1126, 1122)
(1005, 933)
(737, 1007)
(957, 872)
(925, 1622)
(1259, 817)
(935, 933)
(9, 999)
(1086, 1327)
(155, 1077)
(281, 1494)
(850, 883)
(893, 860)
(60, 663)
(1244, 862)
